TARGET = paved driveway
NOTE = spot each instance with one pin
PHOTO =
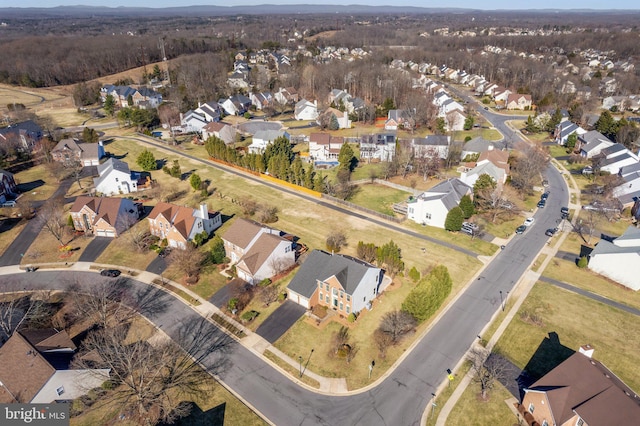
(94, 249)
(280, 321)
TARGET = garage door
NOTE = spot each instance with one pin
(105, 233)
(295, 297)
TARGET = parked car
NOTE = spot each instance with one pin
(9, 203)
(520, 229)
(587, 170)
(110, 273)
(529, 221)
(550, 232)
(545, 195)
(541, 204)
(486, 108)
(565, 212)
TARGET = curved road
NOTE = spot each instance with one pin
(399, 399)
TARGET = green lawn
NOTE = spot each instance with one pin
(471, 410)
(378, 197)
(576, 320)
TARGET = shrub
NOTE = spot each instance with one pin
(583, 262)
(264, 282)
(414, 274)
(352, 317)
(232, 304)
(249, 315)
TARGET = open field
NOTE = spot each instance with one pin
(38, 178)
(565, 314)
(378, 197)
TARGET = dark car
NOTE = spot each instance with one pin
(565, 212)
(110, 273)
(486, 108)
(550, 232)
(520, 229)
(541, 204)
(545, 196)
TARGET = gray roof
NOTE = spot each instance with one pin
(478, 144)
(567, 127)
(432, 140)
(321, 265)
(629, 170)
(449, 191)
(113, 164)
(270, 135)
(616, 147)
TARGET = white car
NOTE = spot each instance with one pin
(529, 221)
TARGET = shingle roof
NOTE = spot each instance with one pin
(321, 265)
(48, 339)
(180, 217)
(585, 386)
(113, 164)
(105, 208)
(23, 371)
(260, 251)
(242, 232)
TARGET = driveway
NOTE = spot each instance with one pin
(221, 298)
(280, 321)
(157, 265)
(95, 249)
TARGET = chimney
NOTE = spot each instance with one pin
(204, 211)
(586, 350)
(490, 147)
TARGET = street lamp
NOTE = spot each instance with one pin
(501, 301)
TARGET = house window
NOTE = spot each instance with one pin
(320, 286)
(326, 287)
(427, 216)
(326, 298)
(531, 408)
(60, 390)
(335, 291)
(321, 297)
(545, 423)
(580, 422)
(117, 180)
(348, 309)
(341, 305)
(341, 294)
(348, 298)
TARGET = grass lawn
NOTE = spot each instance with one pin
(257, 305)
(378, 197)
(611, 332)
(218, 406)
(121, 251)
(486, 134)
(46, 249)
(10, 228)
(38, 178)
(471, 410)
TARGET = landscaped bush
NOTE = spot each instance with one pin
(250, 315)
(232, 304)
(414, 274)
(583, 262)
(352, 317)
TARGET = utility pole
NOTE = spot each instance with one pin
(164, 60)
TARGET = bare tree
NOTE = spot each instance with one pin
(383, 341)
(188, 260)
(74, 168)
(487, 368)
(18, 308)
(396, 324)
(336, 240)
(52, 216)
(528, 167)
(269, 294)
(107, 304)
(154, 376)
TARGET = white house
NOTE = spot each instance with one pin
(592, 143)
(258, 251)
(378, 147)
(262, 138)
(487, 168)
(431, 207)
(565, 129)
(342, 283)
(306, 110)
(613, 158)
(432, 145)
(619, 260)
(115, 178)
(220, 130)
(325, 148)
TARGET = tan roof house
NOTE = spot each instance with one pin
(89, 154)
(179, 224)
(258, 251)
(27, 376)
(581, 391)
(518, 101)
(104, 216)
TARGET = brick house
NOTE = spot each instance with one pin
(179, 224)
(89, 154)
(342, 283)
(104, 216)
(580, 392)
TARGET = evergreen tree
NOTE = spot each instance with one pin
(217, 250)
(147, 161)
(389, 256)
(467, 206)
(346, 158)
(109, 105)
(333, 124)
(468, 123)
(572, 139)
(309, 176)
(607, 125)
(318, 183)
(175, 170)
(195, 181)
(454, 219)
(426, 298)
(90, 135)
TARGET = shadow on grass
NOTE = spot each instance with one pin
(197, 417)
(30, 186)
(549, 354)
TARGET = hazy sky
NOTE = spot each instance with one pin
(473, 4)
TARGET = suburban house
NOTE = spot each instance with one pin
(191, 122)
(7, 186)
(341, 118)
(258, 252)
(235, 105)
(180, 224)
(378, 147)
(486, 167)
(564, 130)
(518, 101)
(477, 145)
(88, 154)
(611, 159)
(324, 148)
(220, 130)
(431, 207)
(263, 138)
(261, 100)
(306, 110)
(211, 111)
(125, 95)
(431, 146)
(104, 216)
(453, 116)
(114, 177)
(286, 95)
(628, 192)
(342, 283)
(580, 391)
(25, 134)
(618, 259)
(34, 369)
(238, 80)
(398, 119)
(592, 143)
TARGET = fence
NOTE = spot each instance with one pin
(364, 209)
